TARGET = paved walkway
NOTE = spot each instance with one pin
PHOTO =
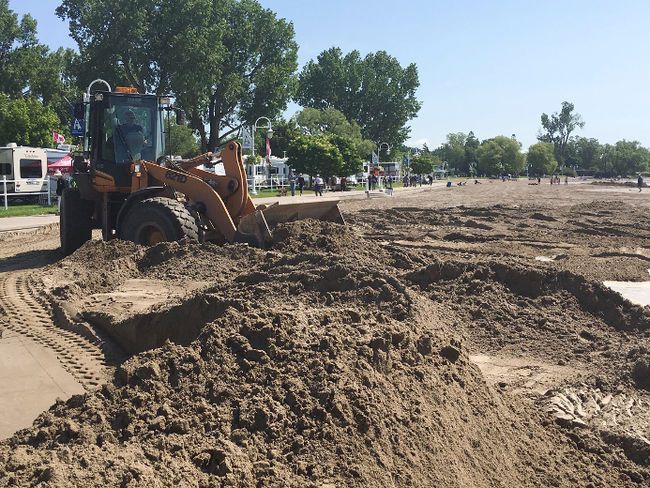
(309, 195)
(31, 379)
(8, 224)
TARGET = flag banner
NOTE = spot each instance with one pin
(268, 150)
(246, 139)
(77, 127)
(375, 158)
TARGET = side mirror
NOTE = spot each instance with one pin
(180, 117)
(78, 111)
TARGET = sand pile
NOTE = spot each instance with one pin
(323, 362)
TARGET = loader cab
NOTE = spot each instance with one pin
(125, 127)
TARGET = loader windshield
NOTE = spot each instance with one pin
(131, 129)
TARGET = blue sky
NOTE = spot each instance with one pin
(490, 66)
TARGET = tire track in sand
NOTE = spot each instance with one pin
(86, 358)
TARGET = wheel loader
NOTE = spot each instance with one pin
(124, 184)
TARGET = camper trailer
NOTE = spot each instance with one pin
(25, 169)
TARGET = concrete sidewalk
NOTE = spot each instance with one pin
(31, 379)
(8, 224)
(310, 196)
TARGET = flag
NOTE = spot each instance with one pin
(268, 150)
(58, 138)
(247, 139)
(375, 158)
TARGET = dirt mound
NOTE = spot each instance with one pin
(553, 316)
(311, 234)
(320, 365)
(96, 266)
(640, 359)
(628, 184)
(280, 399)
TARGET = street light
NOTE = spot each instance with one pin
(381, 144)
(269, 134)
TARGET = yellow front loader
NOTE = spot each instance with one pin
(124, 185)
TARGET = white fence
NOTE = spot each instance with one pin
(42, 194)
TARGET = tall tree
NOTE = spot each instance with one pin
(179, 140)
(331, 121)
(541, 159)
(28, 68)
(18, 45)
(500, 154)
(345, 135)
(315, 155)
(470, 160)
(584, 152)
(558, 127)
(375, 91)
(424, 163)
(625, 158)
(27, 122)
(226, 61)
(453, 151)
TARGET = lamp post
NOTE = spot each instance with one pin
(381, 144)
(269, 134)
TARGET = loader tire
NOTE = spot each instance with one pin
(75, 221)
(158, 219)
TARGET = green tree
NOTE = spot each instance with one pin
(375, 91)
(227, 62)
(625, 158)
(26, 122)
(180, 140)
(584, 153)
(500, 154)
(345, 135)
(424, 163)
(470, 160)
(329, 120)
(30, 69)
(17, 45)
(558, 127)
(315, 155)
(453, 151)
(351, 153)
(541, 159)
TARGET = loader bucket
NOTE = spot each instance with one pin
(326, 210)
(255, 228)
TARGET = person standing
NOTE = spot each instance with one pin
(61, 185)
(318, 185)
(292, 183)
(301, 184)
(639, 182)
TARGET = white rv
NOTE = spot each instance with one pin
(25, 168)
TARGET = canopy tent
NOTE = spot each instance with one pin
(64, 165)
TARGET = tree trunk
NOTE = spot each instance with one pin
(196, 122)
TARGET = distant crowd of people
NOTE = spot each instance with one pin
(298, 183)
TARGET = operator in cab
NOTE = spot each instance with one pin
(130, 138)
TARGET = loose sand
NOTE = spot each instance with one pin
(423, 344)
